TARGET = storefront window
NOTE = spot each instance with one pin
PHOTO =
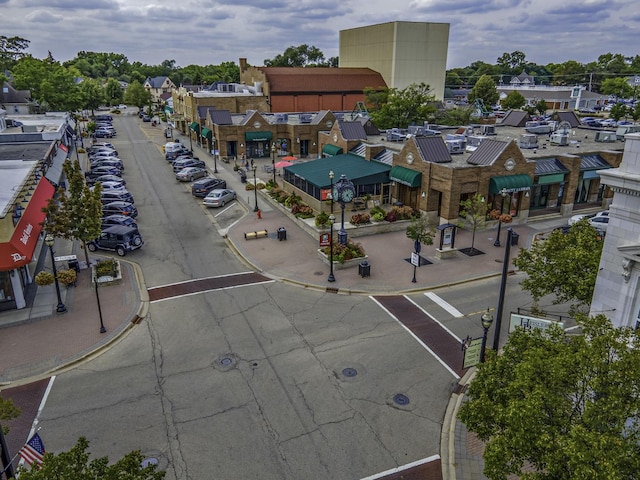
(6, 292)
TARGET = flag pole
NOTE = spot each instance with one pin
(5, 457)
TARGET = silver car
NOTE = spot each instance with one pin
(219, 197)
(189, 174)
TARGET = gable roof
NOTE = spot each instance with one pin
(487, 152)
(548, 166)
(516, 118)
(155, 82)
(570, 117)
(12, 95)
(317, 79)
(433, 149)
(352, 131)
(220, 117)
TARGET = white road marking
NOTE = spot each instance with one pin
(435, 320)
(402, 468)
(172, 297)
(444, 304)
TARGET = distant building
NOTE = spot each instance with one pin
(15, 101)
(158, 86)
(403, 52)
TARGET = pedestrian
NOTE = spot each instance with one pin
(243, 160)
(252, 164)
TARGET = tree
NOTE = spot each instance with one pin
(113, 92)
(410, 106)
(514, 99)
(92, 94)
(300, 56)
(420, 231)
(616, 86)
(485, 90)
(76, 212)
(512, 62)
(8, 411)
(565, 264)
(565, 406)
(473, 211)
(618, 111)
(11, 50)
(541, 106)
(137, 95)
(75, 465)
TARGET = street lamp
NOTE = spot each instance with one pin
(273, 161)
(332, 220)
(215, 157)
(503, 192)
(503, 287)
(95, 283)
(255, 187)
(331, 174)
(487, 320)
(49, 240)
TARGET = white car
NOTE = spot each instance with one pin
(590, 216)
(599, 222)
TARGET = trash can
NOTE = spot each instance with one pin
(282, 233)
(364, 269)
(74, 265)
(243, 176)
(514, 238)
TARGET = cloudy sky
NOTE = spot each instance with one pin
(213, 31)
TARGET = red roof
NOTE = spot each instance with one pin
(319, 79)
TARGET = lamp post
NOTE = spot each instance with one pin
(487, 320)
(190, 140)
(273, 161)
(332, 220)
(215, 156)
(503, 192)
(331, 175)
(417, 247)
(255, 187)
(49, 240)
(95, 283)
(503, 286)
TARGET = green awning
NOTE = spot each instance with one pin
(257, 136)
(195, 126)
(406, 176)
(590, 175)
(549, 179)
(206, 133)
(332, 150)
(511, 183)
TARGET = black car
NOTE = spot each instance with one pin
(119, 208)
(200, 188)
(111, 162)
(108, 196)
(173, 155)
(187, 162)
(105, 178)
(110, 220)
(117, 238)
(99, 171)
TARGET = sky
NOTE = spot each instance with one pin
(205, 32)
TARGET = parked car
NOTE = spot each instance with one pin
(109, 196)
(146, 118)
(600, 222)
(219, 197)
(189, 174)
(182, 156)
(176, 153)
(119, 208)
(100, 133)
(118, 220)
(103, 117)
(106, 178)
(608, 122)
(101, 146)
(100, 158)
(117, 238)
(108, 163)
(99, 171)
(200, 188)
(187, 162)
(576, 218)
(111, 185)
(103, 152)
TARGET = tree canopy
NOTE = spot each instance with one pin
(400, 108)
(300, 56)
(514, 99)
(485, 89)
(554, 406)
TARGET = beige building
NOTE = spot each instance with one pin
(402, 52)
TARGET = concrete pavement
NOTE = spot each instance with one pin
(36, 342)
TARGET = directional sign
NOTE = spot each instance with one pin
(472, 353)
(415, 259)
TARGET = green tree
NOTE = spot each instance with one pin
(485, 90)
(512, 63)
(75, 465)
(618, 111)
(137, 95)
(514, 99)
(565, 406)
(113, 92)
(455, 116)
(635, 112)
(8, 411)
(541, 106)
(300, 56)
(420, 231)
(92, 94)
(410, 106)
(473, 211)
(564, 264)
(75, 212)
(617, 86)
(11, 50)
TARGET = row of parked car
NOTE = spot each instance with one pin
(603, 122)
(104, 127)
(120, 232)
(188, 168)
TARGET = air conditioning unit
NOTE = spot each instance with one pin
(605, 137)
(488, 129)
(561, 139)
(528, 141)
(282, 118)
(305, 117)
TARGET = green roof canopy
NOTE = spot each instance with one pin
(406, 176)
(511, 183)
(195, 126)
(553, 178)
(356, 168)
(257, 136)
(206, 133)
(332, 150)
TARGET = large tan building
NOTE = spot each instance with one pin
(402, 52)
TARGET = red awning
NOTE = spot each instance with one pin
(18, 251)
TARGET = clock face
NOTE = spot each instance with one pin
(347, 195)
(329, 123)
(409, 158)
(335, 137)
(334, 194)
(257, 125)
(510, 164)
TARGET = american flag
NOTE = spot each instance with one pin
(33, 450)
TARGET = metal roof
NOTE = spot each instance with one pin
(356, 168)
(352, 130)
(591, 162)
(547, 166)
(488, 151)
(433, 149)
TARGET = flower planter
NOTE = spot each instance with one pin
(341, 266)
(106, 280)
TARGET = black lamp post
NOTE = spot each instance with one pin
(332, 220)
(417, 248)
(190, 140)
(273, 161)
(255, 187)
(95, 283)
(503, 286)
(49, 240)
(487, 320)
(215, 156)
(503, 192)
(331, 175)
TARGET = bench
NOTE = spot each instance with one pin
(257, 234)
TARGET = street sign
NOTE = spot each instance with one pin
(415, 259)
(528, 323)
(325, 240)
(472, 351)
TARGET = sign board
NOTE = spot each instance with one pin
(325, 240)
(472, 352)
(415, 259)
(325, 194)
(527, 322)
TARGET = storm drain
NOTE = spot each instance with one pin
(400, 399)
(225, 362)
(349, 372)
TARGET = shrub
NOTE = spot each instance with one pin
(378, 209)
(378, 216)
(44, 278)
(360, 219)
(342, 253)
(403, 213)
(249, 187)
(322, 219)
(260, 186)
(292, 200)
(391, 216)
(106, 268)
(302, 211)
(67, 277)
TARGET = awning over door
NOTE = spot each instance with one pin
(549, 179)
(257, 136)
(332, 150)
(18, 251)
(195, 126)
(206, 133)
(54, 172)
(405, 176)
(511, 183)
(590, 174)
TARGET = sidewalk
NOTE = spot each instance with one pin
(36, 341)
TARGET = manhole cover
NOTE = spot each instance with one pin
(318, 273)
(149, 461)
(401, 399)
(226, 361)
(349, 372)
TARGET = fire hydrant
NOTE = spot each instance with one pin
(259, 214)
